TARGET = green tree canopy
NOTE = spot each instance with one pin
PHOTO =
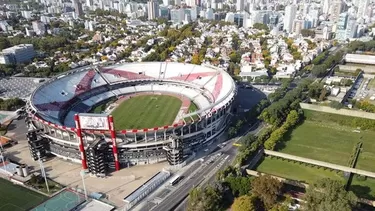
(204, 199)
(245, 203)
(328, 194)
(267, 189)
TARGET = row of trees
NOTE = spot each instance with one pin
(11, 104)
(320, 58)
(308, 33)
(354, 122)
(260, 193)
(250, 117)
(267, 193)
(361, 46)
(277, 135)
(321, 69)
(276, 113)
(365, 105)
(293, 49)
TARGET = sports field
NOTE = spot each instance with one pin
(331, 142)
(295, 171)
(17, 198)
(309, 174)
(146, 111)
(65, 201)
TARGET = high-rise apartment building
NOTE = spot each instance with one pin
(290, 15)
(78, 8)
(362, 8)
(153, 9)
(240, 5)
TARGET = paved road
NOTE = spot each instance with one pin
(190, 182)
(202, 174)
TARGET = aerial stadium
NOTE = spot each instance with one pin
(129, 114)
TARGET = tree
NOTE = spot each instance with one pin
(308, 33)
(328, 194)
(204, 199)
(245, 203)
(315, 90)
(195, 59)
(235, 57)
(239, 185)
(319, 70)
(247, 141)
(260, 26)
(267, 189)
(4, 43)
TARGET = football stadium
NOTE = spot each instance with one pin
(129, 114)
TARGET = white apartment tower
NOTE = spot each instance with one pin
(240, 5)
(326, 5)
(290, 15)
(153, 9)
(362, 8)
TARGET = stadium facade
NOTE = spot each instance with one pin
(53, 106)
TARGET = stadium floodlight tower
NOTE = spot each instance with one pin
(96, 122)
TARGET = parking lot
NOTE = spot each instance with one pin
(363, 89)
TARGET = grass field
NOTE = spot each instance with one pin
(331, 142)
(17, 198)
(309, 174)
(146, 111)
(371, 84)
(295, 171)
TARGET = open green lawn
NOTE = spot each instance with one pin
(371, 84)
(309, 174)
(146, 111)
(17, 198)
(295, 171)
(330, 142)
(364, 189)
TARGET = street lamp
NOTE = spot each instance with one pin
(42, 170)
(82, 173)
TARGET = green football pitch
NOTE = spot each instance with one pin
(17, 198)
(146, 111)
(331, 142)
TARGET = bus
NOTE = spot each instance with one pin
(176, 179)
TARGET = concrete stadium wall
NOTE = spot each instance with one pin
(345, 112)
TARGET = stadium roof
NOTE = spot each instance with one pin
(360, 59)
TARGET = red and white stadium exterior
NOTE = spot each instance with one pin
(54, 105)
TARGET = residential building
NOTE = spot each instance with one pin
(153, 9)
(290, 15)
(78, 8)
(26, 14)
(362, 8)
(20, 53)
(5, 27)
(39, 28)
(177, 15)
(240, 5)
(6, 58)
